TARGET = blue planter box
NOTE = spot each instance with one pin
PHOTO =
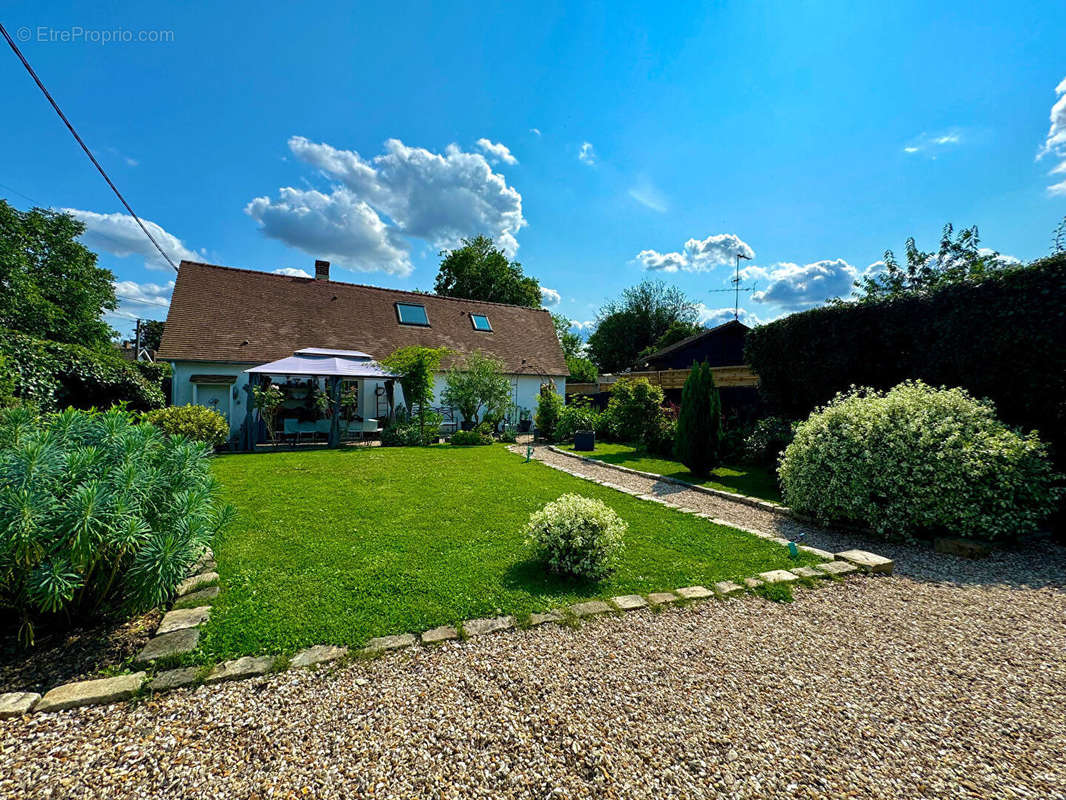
(585, 441)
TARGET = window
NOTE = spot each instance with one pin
(412, 314)
(480, 322)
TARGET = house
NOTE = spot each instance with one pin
(224, 321)
(721, 346)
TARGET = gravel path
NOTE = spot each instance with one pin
(946, 681)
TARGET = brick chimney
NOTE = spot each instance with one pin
(321, 270)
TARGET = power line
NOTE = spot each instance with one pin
(84, 147)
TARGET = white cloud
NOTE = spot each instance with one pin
(1055, 143)
(339, 227)
(141, 300)
(580, 326)
(292, 272)
(699, 255)
(119, 235)
(712, 317)
(794, 287)
(497, 151)
(439, 198)
(535, 131)
(587, 154)
(933, 144)
(649, 197)
(549, 297)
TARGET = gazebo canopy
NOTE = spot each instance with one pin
(325, 363)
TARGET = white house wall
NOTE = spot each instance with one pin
(524, 389)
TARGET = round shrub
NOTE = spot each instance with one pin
(577, 536)
(199, 423)
(918, 461)
(576, 416)
(482, 434)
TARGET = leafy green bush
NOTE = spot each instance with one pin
(577, 536)
(1000, 337)
(98, 513)
(633, 410)
(918, 461)
(699, 426)
(52, 375)
(407, 431)
(509, 435)
(660, 437)
(769, 436)
(549, 409)
(199, 423)
(482, 434)
(577, 416)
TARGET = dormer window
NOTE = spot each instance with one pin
(412, 314)
(480, 322)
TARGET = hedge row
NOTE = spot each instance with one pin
(53, 375)
(1003, 338)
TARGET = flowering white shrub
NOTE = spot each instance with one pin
(577, 535)
(917, 460)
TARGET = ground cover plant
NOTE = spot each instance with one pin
(339, 546)
(750, 479)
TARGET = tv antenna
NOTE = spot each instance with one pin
(737, 289)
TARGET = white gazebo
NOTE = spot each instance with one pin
(315, 362)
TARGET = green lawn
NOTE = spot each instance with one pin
(338, 546)
(749, 480)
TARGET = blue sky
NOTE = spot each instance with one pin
(645, 140)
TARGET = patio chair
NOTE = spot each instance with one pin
(322, 428)
(291, 429)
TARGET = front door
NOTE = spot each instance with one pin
(214, 396)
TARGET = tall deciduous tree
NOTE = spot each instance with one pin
(699, 424)
(479, 270)
(50, 286)
(625, 327)
(959, 258)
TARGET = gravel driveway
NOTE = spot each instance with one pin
(948, 680)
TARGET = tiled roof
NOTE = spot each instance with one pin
(225, 314)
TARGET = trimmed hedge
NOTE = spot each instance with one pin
(53, 375)
(1003, 338)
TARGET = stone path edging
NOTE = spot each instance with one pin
(178, 632)
(748, 500)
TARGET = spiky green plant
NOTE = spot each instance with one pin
(98, 513)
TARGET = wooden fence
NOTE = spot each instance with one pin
(672, 379)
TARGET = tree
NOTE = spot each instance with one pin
(50, 286)
(581, 369)
(699, 425)
(625, 327)
(151, 333)
(958, 260)
(478, 382)
(679, 330)
(479, 270)
(416, 367)
(549, 409)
